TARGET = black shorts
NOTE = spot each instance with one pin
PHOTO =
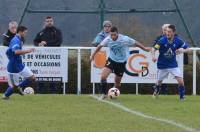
(116, 67)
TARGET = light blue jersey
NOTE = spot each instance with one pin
(99, 38)
(119, 49)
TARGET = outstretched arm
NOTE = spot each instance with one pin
(22, 52)
(95, 52)
(153, 50)
(183, 50)
(141, 46)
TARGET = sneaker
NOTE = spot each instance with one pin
(5, 97)
(156, 91)
(20, 90)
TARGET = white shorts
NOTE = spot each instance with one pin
(163, 73)
(13, 78)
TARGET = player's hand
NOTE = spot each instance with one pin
(180, 51)
(154, 59)
(31, 50)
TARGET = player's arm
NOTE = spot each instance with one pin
(141, 46)
(102, 44)
(183, 49)
(22, 52)
(153, 52)
(133, 42)
(95, 52)
(16, 49)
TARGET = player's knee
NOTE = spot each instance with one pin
(159, 83)
(181, 83)
(32, 78)
(103, 78)
(14, 86)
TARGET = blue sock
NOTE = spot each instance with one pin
(103, 86)
(25, 83)
(181, 91)
(8, 92)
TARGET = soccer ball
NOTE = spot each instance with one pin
(28, 90)
(113, 93)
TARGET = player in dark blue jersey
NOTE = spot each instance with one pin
(15, 66)
(164, 32)
(169, 46)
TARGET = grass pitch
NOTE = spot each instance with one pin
(72, 113)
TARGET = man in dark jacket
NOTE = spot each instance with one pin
(12, 29)
(50, 36)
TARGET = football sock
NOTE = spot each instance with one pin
(8, 92)
(103, 86)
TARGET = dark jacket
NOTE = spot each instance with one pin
(51, 35)
(7, 38)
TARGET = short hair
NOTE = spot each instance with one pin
(173, 27)
(49, 17)
(21, 29)
(12, 23)
(114, 29)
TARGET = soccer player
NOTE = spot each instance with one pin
(119, 50)
(164, 32)
(169, 46)
(103, 34)
(15, 66)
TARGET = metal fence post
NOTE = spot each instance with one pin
(79, 72)
(194, 72)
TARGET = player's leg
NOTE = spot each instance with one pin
(179, 77)
(13, 81)
(118, 81)
(181, 87)
(104, 75)
(119, 69)
(29, 77)
(161, 75)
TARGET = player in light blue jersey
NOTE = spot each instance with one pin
(169, 46)
(15, 66)
(103, 34)
(119, 51)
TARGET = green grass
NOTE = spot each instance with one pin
(71, 113)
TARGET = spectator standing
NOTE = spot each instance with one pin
(50, 36)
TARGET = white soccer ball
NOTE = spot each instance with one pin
(29, 90)
(113, 93)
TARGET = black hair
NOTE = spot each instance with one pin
(173, 27)
(114, 29)
(48, 17)
(21, 29)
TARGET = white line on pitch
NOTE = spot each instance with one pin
(171, 122)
